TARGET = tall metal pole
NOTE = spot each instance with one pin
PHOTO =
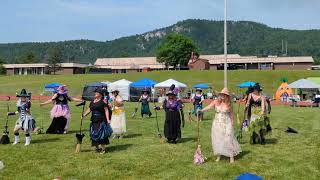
(225, 45)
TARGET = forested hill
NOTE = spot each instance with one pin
(246, 38)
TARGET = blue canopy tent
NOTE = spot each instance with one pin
(246, 84)
(51, 87)
(88, 93)
(137, 87)
(201, 86)
(144, 83)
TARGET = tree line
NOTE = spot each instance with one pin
(246, 38)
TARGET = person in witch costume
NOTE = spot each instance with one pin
(145, 99)
(172, 107)
(245, 123)
(224, 142)
(197, 100)
(25, 121)
(60, 113)
(100, 129)
(118, 119)
(259, 123)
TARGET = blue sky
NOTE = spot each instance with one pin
(56, 20)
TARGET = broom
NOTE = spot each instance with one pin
(135, 111)
(5, 136)
(238, 116)
(198, 158)
(158, 129)
(80, 135)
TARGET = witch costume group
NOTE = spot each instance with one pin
(108, 117)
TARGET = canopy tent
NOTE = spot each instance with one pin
(144, 83)
(303, 84)
(246, 84)
(106, 82)
(123, 86)
(315, 80)
(51, 87)
(169, 82)
(88, 90)
(201, 86)
(137, 87)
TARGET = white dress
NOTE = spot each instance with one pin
(224, 141)
(118, 119)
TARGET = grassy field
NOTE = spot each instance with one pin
(140, 155)
(269, 79)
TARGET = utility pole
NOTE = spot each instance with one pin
(225, 45)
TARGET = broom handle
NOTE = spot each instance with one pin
(8, 110)
(198, 129)
(239, 106)
(82, 117)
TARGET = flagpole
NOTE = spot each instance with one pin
(225, 45)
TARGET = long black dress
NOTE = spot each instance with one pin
(60, 114)
(172, 129)
(100, 130)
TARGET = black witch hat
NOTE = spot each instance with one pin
(171, 91)
(257, 87)
(24, 93)
(145, 90)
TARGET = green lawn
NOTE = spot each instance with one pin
(140, 155)
(269, 79)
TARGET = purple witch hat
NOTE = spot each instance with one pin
(62, 90)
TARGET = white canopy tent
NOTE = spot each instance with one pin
(106, 82)
(169, 82)
(123, 86)
(303, 84)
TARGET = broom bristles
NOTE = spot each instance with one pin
(4, 139)
(78, 148)
(162, 140)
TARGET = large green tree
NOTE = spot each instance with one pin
(317, 61)
(175, 49)
(54, 59)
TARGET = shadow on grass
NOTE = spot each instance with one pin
(132, 136)
(46, 140)
(185, 140)
(118, 147)
(272, 141)
(76, 131)
(242, 154)
(110, 148)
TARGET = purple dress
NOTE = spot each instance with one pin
(172, 130)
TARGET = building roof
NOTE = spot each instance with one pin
(217, 59)
(129, 63)
(69, 65)
(43, 65)
(11, 66)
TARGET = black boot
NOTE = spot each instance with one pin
(253, 138)
(262, 138)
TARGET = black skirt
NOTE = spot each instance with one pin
(99, 133)
(57, 125)
(172, 130)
